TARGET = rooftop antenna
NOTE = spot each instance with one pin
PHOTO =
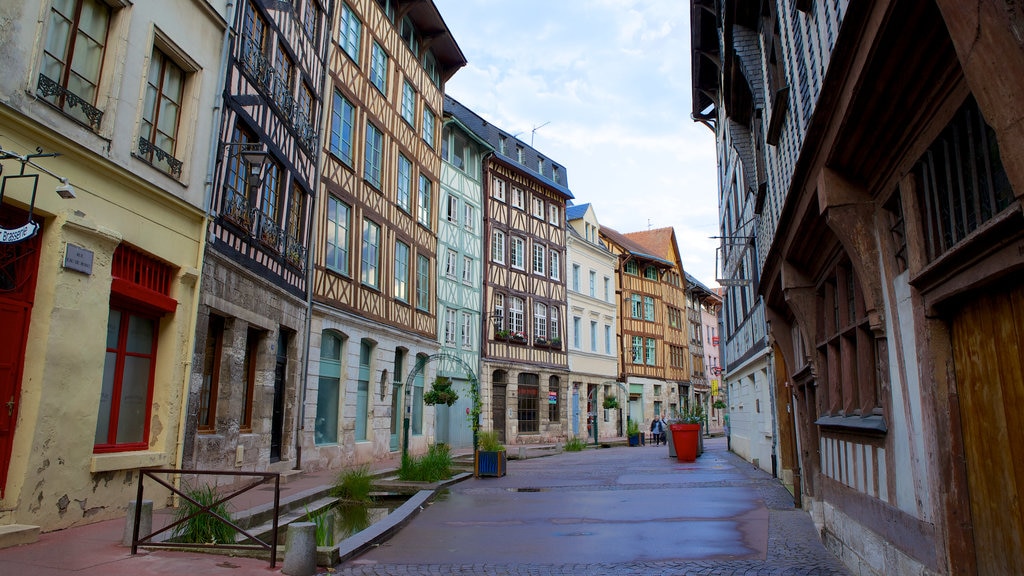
(649, 224)
(534, 131)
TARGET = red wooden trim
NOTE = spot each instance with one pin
(142, 295)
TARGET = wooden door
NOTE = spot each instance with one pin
(498, 412)
(18, 266)
(988, 339)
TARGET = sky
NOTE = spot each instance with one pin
(602, 88)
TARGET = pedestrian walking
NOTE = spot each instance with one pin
(657, 430)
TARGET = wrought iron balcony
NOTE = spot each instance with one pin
(295, 252)
(270, 234)
(49, 88)
(256, 64)
(159, 157)
(236, 209)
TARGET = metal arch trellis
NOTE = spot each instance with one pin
(590, 400)
(448, 363)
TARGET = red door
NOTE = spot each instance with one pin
(18, 265)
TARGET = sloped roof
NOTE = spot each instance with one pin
(697, 285)
(660, 242)
(633, 247)
(493, 136)
(575, 212)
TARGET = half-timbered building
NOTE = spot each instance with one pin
(247, 369)
(592, 329)
(654, 356)
(459, 269)
(374, 290)
(104, 152)
(888, 187)
(524, 374)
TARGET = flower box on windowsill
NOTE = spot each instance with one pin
(516, 339)
(540, 343)
(555, 344)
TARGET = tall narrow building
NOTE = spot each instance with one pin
(525, 373)
(373, 329)
(246, 387)
(105, 135)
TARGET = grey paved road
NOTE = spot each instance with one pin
(609, 511)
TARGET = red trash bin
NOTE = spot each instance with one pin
(685, 438)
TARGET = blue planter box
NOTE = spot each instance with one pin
(489, 463)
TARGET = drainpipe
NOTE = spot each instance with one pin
(315, 185)
(207, 200)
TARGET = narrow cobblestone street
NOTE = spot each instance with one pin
(610, 511)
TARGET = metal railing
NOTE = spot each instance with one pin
(207, 509)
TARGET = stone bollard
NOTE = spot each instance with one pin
(300, 549)
(145, 521)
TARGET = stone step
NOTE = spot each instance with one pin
(18, 534)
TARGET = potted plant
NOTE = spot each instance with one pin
(540, 342)
(489, 459)
(610, 403)
(719, 404)
(441, 392)
(518, 337)
(555, 343)
(686, 433)
(502, 334)
(633, 432)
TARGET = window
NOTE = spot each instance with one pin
(651, 346)
(408, 103)
(593, 336)
(607, 289)
(651, 273)
(449, 327)
(499, 310)
(528, 403)
(404, 199)
(468, 217)
(401, 271)
(379, 68)
(539, 259)
(295, 250)
(517, 197)
(422, 283)
(309, 19)
(252, 342)
(425, 215)
(576, 336)
(519, 153)
(846, 346)
(575, 277)
(648, 308)
(593, 284)
(556, 174)
(498, 246)
(408, 33)
(498, 189)
(349, 32)
(554, 399)
(338, 214)
(453, 210)
(467, 270)
(451, 264)
(554, 215)
(538, 207)
(370, 260)
(161, 112)
(632, 268)
(517, 247)
(374, 155)
(636, 306)
(556, 327)
(638, 350)
(270, 204)
(342, 121)
(284, 78)
(467, 330)
(428, 126)
(237, 205)
(675, 318)
(677, 356)
(607, 339)
(363, 390)
(540, 321)
(73, 58)
(515, 315)
(556, 265)
(328, 397)
(208, 392)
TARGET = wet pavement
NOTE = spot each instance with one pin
(615, 510)
(618, 510)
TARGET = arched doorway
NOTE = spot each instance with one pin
(461, 420)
